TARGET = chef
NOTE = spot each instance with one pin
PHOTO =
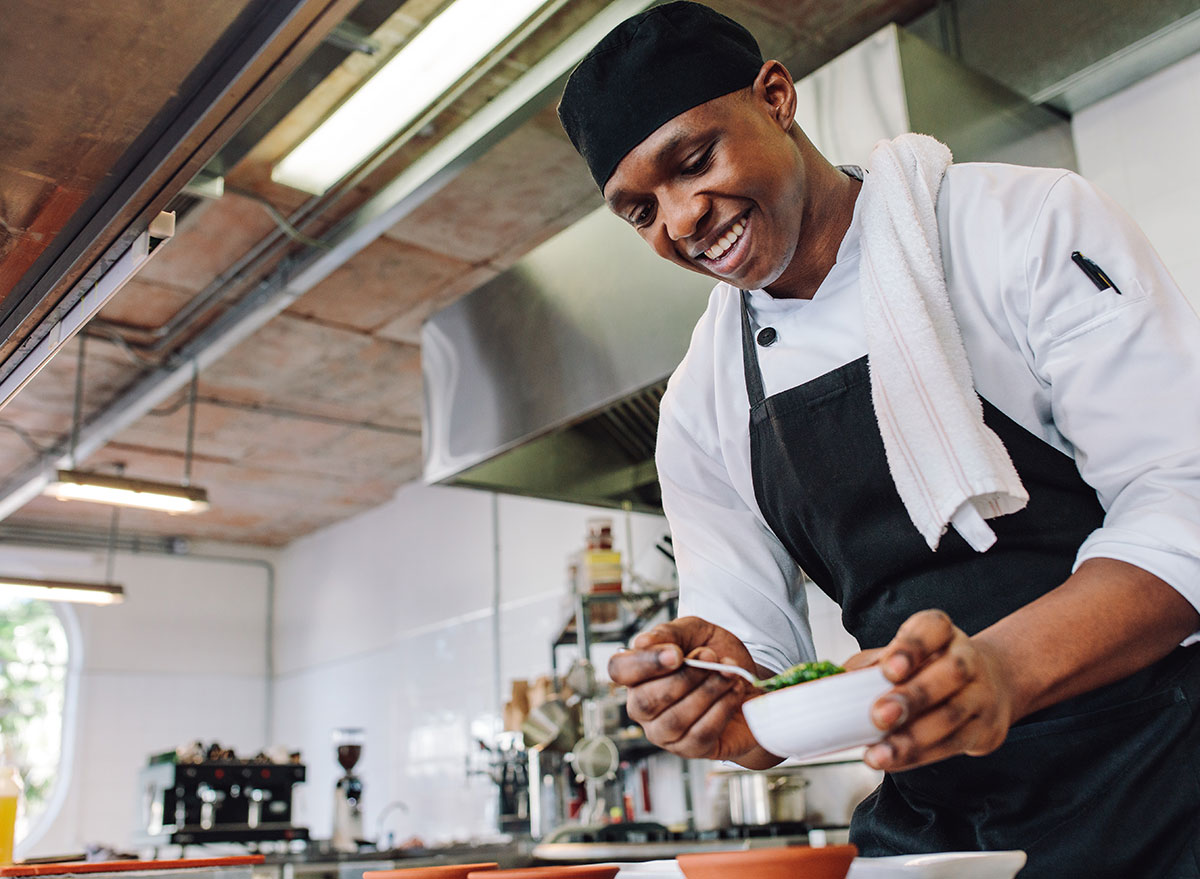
(965, 400)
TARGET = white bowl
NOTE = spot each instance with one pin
(943, 865)
(818, 717)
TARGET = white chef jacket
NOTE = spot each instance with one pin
(1111, 379)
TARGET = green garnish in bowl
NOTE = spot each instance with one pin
(800, 674)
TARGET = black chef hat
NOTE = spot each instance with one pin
(647, 70)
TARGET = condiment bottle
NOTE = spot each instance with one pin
(602, 568)
(10, 797)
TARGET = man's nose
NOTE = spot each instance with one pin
(682, 215)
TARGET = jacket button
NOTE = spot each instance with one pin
(767, 336)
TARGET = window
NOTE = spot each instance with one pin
(33, 688)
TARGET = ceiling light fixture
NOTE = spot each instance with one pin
(61, 590)
(435, 59)
(121, 491)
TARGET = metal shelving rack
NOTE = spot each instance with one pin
(635, 610)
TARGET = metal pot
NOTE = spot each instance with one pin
(550, 726)
(766, 798)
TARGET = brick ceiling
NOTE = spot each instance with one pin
(316, 416)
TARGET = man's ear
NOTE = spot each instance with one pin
(775, 90)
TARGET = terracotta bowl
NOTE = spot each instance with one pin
(786, 862)
(442, 871)
(575, 871)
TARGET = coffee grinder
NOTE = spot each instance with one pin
(347, 794)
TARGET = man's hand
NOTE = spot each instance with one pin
(688, 711)
(952, 698)
(960, 695)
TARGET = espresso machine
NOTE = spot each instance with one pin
(347, 793)
(195, 796)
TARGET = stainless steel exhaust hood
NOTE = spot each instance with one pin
(546, 380)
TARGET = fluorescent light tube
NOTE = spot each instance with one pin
(74, 485)
(422, 71)
(61, 590)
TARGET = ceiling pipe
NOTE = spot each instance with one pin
(411, 188)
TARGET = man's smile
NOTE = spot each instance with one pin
(724, 251)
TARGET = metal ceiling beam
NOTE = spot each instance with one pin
(245, 67)
(411, 188)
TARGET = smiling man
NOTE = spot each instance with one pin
(917, 386)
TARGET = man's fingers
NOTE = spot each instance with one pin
(687, 632)
(920, 637)
(965, 724)
(683, 709)
(883, 756)
(633, 667)
(703, 738)
(647, 700)
(675, 721)
(937, 681)
(937, 725)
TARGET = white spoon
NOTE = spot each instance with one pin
(725, 669)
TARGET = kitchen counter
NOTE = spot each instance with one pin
(240, 867)
(351, 866)
(593, 852)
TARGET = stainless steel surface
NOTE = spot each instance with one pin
(319, 865)
(106, 286)
(590, 319)
(595, 758)
(647, 851)
(545, 381)
(831, 789)
(760, 798)
(1071, 53)
(245, 872)
(894, 82)
(550, 726)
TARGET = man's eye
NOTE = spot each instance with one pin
(641, 216)
(698, 164)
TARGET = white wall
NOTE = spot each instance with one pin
(1140, 146)
(183, 658)
(384, 621)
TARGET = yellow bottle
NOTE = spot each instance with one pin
(10, 797)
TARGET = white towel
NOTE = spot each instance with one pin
(949, 467)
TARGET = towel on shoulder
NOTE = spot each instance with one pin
(950, 468)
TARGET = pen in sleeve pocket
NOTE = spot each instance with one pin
(1093, 271)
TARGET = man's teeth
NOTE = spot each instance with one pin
(727, 241)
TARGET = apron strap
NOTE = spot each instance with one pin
(754, 382)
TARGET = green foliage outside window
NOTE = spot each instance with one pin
(33, 675)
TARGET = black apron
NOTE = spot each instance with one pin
(1106, 784)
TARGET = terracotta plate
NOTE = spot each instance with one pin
(786, 862)
(75, 867)
(579, 871)
(441, 871)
